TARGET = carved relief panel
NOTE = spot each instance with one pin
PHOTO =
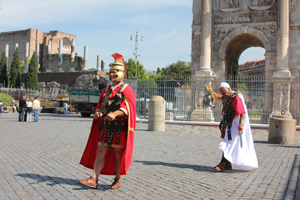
(260, 4)
(295, 12)
(229, 5)
(235, 5)
(245, 17)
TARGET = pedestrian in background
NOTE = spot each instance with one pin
(65, 108)
(13, 104)
(36, 106)
(22, 106)
(1, 107)
(28, 110)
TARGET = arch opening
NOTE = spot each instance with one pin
(235, 48)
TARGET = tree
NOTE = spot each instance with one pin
(31, 80)
(241, 82)
(176, 69)
(3, 70)
(18, 81)
(130, 66)
(158, 70)
(15, 71)
(102, 65)
(22, 62)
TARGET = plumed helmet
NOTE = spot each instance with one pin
(118, 65)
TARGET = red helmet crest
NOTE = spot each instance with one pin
(118, 64)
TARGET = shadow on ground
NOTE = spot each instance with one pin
(262, 142)
(200, 168)
(53, 180)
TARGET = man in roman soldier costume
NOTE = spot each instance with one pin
(237, 144)
(110, 144)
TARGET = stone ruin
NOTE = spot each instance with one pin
(89, 82)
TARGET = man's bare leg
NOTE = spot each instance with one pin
(99, 163)
(100, 160)
(119, 154)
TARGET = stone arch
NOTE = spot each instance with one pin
(238, 41)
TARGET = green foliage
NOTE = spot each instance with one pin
(102, 65)
(130, 66)
(241, 83)
(5, 98)
(178, 69)
(158, 70)
(22, 62)
(18, 81)
(3, 70)
(31, 80)
(15, 75)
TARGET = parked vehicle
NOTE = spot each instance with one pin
(59, 104)
(84, 101)
(170, 107)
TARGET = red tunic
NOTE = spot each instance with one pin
(238, 106)
(90, 152)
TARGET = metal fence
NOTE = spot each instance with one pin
(184, 94)
(46, 94)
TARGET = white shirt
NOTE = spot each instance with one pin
(113, 87)
(36, 104)
(28, 104)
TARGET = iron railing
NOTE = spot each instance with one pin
(183, 95)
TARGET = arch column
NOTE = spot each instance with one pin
(282, 76)
(270, 67)
(205, 39)
(283, 40)
(204, 75)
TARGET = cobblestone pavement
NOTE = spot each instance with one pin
(39, 160)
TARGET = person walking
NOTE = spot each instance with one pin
(28, 110)
(22, 106)
(237, 144)
(65, 108)
(110, 144)
(36, 106)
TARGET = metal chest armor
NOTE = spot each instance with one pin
(119, 123)
(228, 113)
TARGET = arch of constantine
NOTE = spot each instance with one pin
(223, 29)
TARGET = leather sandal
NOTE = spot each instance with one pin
(220, 167)
(116, 184)
(89, 182)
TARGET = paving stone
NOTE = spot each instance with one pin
(40, 161)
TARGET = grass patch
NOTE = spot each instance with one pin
(6, 99)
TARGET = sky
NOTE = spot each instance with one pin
(106, 26)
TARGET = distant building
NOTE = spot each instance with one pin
(39, 40)
(254, 73)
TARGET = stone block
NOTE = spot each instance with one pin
(156, 116)
(282, 130)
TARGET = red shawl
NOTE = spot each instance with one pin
(90, 152)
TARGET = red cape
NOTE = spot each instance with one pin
(90, 152)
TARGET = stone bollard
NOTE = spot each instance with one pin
(156, 115)
(282, 130)
(169, 116)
